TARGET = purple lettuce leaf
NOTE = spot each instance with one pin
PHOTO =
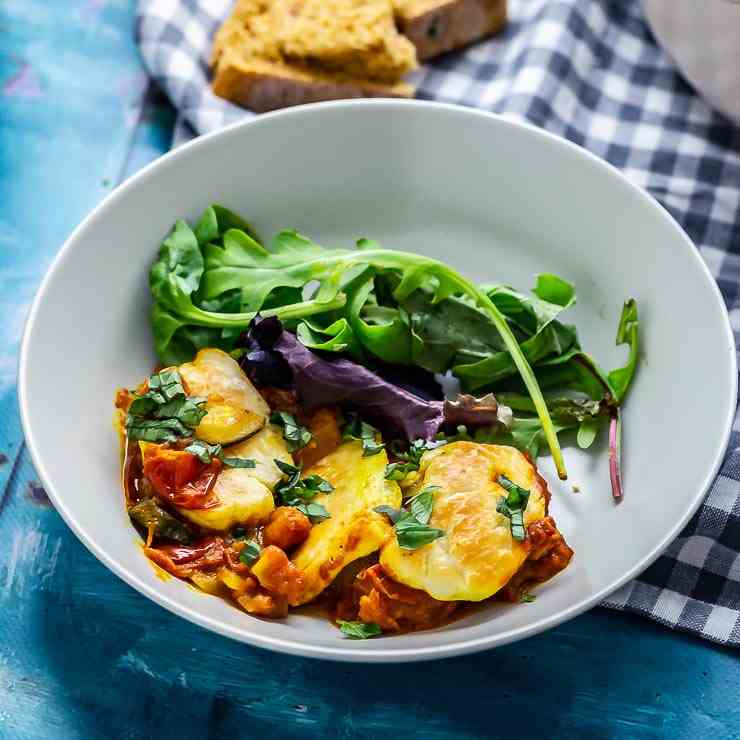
(391, 406)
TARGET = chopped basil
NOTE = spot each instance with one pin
(411, 527)
(357, 429)
(513, 506)
(150, 515)
(165, 385)
(160, 430)
(237, 462)
(206, 452)
(203, 451)
(395, 515)
(164, 413)
(315, 512)
(299, 492)
(412, 535)
(359, 630)
(527, 598)
(238, 533)
(411, 459)
(251, 553)
(295, 435)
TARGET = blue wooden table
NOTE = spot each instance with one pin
(82, 655)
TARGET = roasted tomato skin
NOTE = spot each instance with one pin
(179, 477)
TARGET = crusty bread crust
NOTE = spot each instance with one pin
(437, 26)
(264, 86)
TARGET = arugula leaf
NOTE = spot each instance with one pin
(621, 378)
(336, 337)
(357, 429)
(295, 435)
(513, 507)
(150, 515)
(359, 630)
(250, 553)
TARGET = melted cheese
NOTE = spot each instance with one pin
(353, 529)
(245, 494)
(478, 555)
(235, 408)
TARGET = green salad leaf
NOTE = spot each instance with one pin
(377, 304)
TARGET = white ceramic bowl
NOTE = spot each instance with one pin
(498, 200)
(703, 37)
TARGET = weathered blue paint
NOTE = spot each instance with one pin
(84, 656)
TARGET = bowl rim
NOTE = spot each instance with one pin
(345, 652)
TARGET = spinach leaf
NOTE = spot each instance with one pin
(359, 630)
(295, 435)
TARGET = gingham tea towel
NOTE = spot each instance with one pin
(588, 70)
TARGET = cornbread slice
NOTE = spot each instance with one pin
(251, 67)
(437, 26)
(355, 37)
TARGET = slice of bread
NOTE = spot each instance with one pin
(437, 26)
(262, 68)
(356, 37)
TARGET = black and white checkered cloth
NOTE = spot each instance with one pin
(588, 70)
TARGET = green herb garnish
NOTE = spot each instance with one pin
(527, 598)
(411, 526)
(410, 461)
(359, 630)
(295, 435)
(299, 492)
(250, 554)
(513, 507)
(357, 429)
(206, 452)
(164, 413)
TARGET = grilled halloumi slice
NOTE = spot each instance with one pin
(245, 494)
(235, 408)
(353, 529)
(477, 555)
